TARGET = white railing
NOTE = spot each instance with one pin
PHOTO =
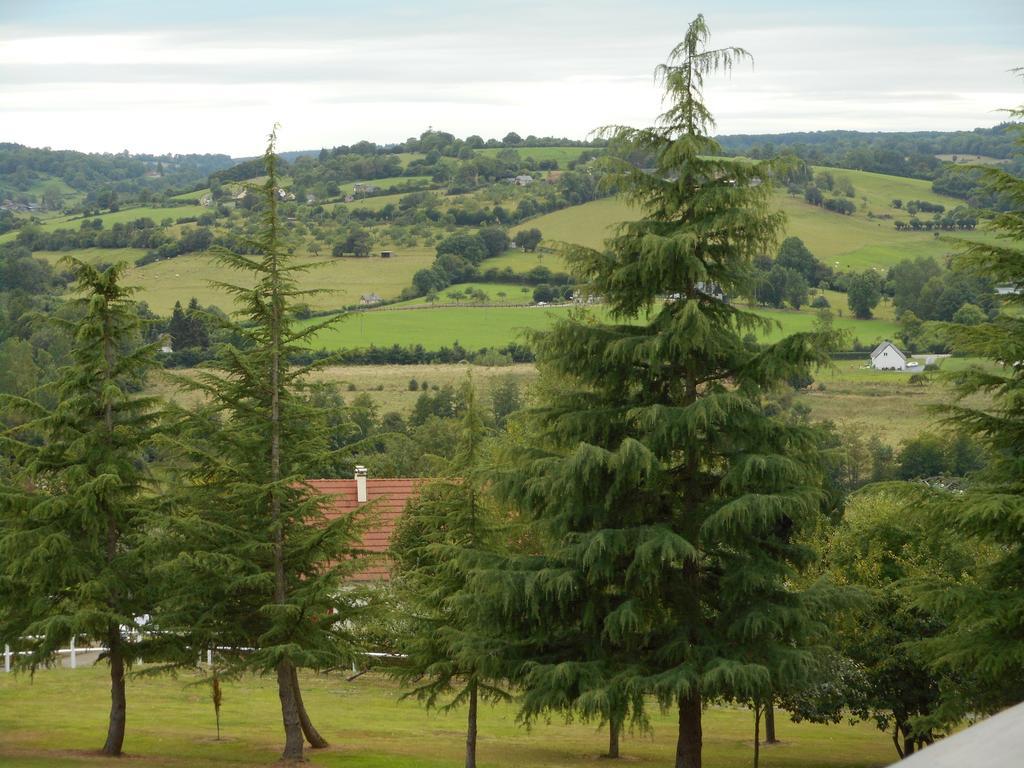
(73, 652)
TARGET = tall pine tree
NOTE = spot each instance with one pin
(663, 492)
(73, 517)
(260, 568)
(983, 647)
(452, 654)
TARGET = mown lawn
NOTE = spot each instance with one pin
(58, 720)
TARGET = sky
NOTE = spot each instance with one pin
(187, 76)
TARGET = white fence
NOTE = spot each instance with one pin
(73, 652)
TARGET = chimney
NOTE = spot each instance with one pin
(360, 483)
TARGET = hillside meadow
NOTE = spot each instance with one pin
(495, 326)
(57, 718)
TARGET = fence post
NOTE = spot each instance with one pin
(7, 658)
(74, 655)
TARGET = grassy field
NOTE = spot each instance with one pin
(476, 327)
(122, 216)
(370, 203)
(514, 294)
(472, 327)
(58, 720)
(391, 181)
(844, 242)
(885, 403)
(345, 279)
(562, 154)
(881, 402)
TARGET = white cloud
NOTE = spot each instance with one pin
(220, 88)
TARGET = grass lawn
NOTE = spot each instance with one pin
(58, 719)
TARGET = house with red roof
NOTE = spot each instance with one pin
(387, 497)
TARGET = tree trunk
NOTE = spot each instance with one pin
(289, 714)
(757, 734)
(769, 723)
(471, 728)
(688, 747)
(118, 702)
(316, 741)
(614, 727)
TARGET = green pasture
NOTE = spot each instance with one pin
(125, 215)
(375, 203)
(407, 157)
(839, 307)
(343, 280)
(562, 154)
(789, 321)
(390, 181)
(195, 196)
(476, 327)
(472, 327)
(888, 404)
(514, 294)
(853, 242)
(57, 719)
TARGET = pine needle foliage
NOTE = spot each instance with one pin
(662, 492)
(453, 654)
(73, 516)
(260, 568)
(984, 645)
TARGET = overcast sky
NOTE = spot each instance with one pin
(214, 75)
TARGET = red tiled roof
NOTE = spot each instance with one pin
(390, 495)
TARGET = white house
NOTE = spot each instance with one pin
(886, 357)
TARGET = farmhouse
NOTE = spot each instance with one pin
(386, 497)
(886, 357)
(370, 298)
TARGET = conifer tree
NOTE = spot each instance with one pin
(983, 648)
(449, 531)
(661, 491)
(72, 516)
(259, 568)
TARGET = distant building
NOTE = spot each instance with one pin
(386, 254)
(364, 189)
(886, 357)
(370, 298)
(523, 180)
(1006, 289)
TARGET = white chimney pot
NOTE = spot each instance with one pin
(360, 483)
